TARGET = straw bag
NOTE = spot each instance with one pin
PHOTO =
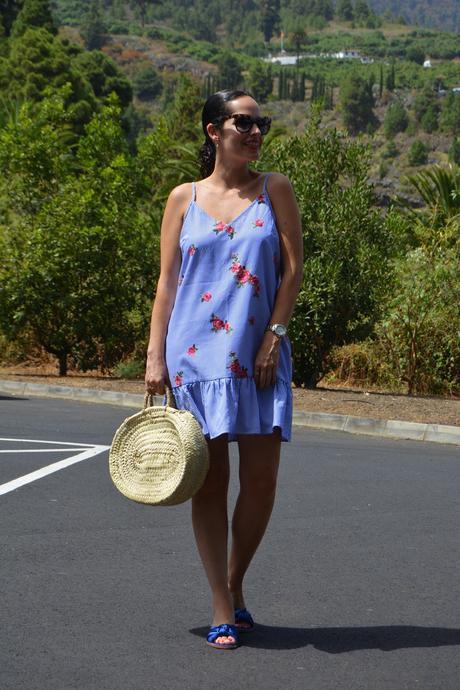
(159, 455)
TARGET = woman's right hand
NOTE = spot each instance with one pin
(156, 375)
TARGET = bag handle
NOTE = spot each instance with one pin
(170, 401)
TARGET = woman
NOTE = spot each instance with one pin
(231, 263)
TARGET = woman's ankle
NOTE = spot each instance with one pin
(237, 597)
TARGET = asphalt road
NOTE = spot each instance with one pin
(355, 585)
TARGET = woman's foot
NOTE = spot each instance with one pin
(223, 636)
(243, 619)
(224, 615)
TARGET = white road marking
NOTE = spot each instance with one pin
(41, 450)
(90, 452)
(54, 443)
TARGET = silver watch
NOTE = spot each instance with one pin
(278, 329)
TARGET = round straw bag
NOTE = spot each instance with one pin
(159, 455)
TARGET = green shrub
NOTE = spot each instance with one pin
(396, 119)
(131, 369)
(365, 365)
(429, 120)
(346, 244)
(418, 153)
(147, 84)
(391, 150)
(420, 332)
(454, 151)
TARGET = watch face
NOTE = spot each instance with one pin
(280, 329)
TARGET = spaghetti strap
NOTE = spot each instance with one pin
(267, 175)
(193, 191)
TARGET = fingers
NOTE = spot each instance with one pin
(265, 375)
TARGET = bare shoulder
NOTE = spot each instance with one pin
(278, 182)
(179, 198)
(282, 196)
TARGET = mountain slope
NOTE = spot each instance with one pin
(439, 14)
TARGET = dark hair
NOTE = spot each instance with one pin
(213, 110)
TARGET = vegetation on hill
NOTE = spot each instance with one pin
(100, 109)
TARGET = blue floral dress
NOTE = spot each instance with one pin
(229, 277)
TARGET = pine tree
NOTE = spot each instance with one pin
(269, 12)
(302, 86)
(93, 27)
(280, 84)
(344, 10)
(391, 77)
(9, 10)
(34, 13)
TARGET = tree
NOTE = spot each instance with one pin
(415, 54)
(104, 75)
(93, 27)
(74, 262)
(454, 151)
(34, 13)
(9, 10)
(141, 5)
(147, 84)
(429, 120)
(361, 11)
(230, 76)
(418, 153)
(269, 13)
(357, 103)
(396, 119)
(260, 81)
(344, 10)
(390, 81)
(346, 244)
(450, 114)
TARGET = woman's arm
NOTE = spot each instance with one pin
(156, 374)
(289, 226)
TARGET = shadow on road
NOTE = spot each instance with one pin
(337, 640)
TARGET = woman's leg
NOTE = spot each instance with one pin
(259, 461)
(210, 524)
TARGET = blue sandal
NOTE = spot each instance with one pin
(224, 630)
(243, 616)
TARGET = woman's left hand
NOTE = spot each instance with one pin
(266, 361)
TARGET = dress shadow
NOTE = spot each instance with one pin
(386, 638)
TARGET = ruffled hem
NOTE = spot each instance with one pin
(236, 406)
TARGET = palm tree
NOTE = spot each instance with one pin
(439, 221)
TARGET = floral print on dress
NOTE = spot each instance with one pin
(243, 275)
(178, 378)
(192, 250)
(181, 279)
(258, 223)
(261, 199)
(206, 296)
(220, 227)
(219, 324)
(192, 349)
(252, 320)
(235, 367)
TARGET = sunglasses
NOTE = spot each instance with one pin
(244, 123)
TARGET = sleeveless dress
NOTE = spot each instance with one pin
(226, 291)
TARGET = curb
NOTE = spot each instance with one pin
(389, 428)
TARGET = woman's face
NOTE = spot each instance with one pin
(233, 143)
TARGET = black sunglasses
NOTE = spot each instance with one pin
(244, 123)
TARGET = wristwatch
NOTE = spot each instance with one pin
(278, 329)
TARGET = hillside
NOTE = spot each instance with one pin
(442, 14)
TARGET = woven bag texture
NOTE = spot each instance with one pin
(159, 455)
